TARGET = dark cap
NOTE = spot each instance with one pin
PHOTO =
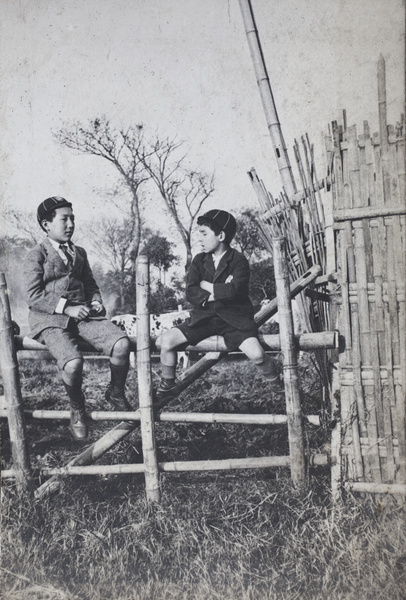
(223, 220)
(49, 205)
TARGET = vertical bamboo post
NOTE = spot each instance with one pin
(12, 392)
(383, 125)
(336, 432)
(290, 372)
(145, 382)
(268, 102)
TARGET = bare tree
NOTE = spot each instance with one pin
(121, 147)
(183, 191)
(21, 225)
(111, 241)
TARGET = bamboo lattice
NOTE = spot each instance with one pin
(302, 221)
(369, 214)
(352, 223)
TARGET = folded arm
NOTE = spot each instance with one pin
(236, 284)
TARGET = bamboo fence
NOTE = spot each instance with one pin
(147, 413)
(352, 224)
(368, 196)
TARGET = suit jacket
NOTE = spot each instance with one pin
(48, 280)
(230, 279)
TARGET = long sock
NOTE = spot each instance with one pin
(118, 377)
(75, 395)
(168, 371)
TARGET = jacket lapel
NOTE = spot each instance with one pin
(56, 258)
(78, 260)
(225, 259)
(52, 253)
(208, 265)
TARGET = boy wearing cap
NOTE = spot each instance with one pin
(65, 303)
(217, 289)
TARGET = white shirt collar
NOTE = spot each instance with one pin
(57, 245)
(217, 259)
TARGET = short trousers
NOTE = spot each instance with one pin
(63, 343)
(233, 338)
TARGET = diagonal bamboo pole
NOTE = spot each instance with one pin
(170, 417)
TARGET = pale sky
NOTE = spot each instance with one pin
(182, 67)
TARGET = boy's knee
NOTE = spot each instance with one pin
(253, 350)
(74, 367)
(121, 348)
(168, 340)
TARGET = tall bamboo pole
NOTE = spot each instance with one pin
(267, 98)
(12, 392)
(290, 371)
(145, 382)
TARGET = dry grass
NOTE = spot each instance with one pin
(244, 535)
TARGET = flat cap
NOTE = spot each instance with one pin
(223, 219)
(49, 205)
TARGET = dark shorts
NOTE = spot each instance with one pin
(63, 343)
(233, 338)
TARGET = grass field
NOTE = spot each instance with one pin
(236, 535)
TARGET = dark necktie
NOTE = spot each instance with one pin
(67, 254)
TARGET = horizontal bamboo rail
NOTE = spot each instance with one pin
(26, 343)
(367, 212)
(169, 417)
(375, 488)
(215, 343)
(263, 462)
(304, 341)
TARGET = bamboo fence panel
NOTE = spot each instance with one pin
(352, 223)
(369, 221)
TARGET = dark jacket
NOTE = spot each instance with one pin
(48, 280)
(230, 279)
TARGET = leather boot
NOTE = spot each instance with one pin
(78, 426)
(166, 389)
(268, 369)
